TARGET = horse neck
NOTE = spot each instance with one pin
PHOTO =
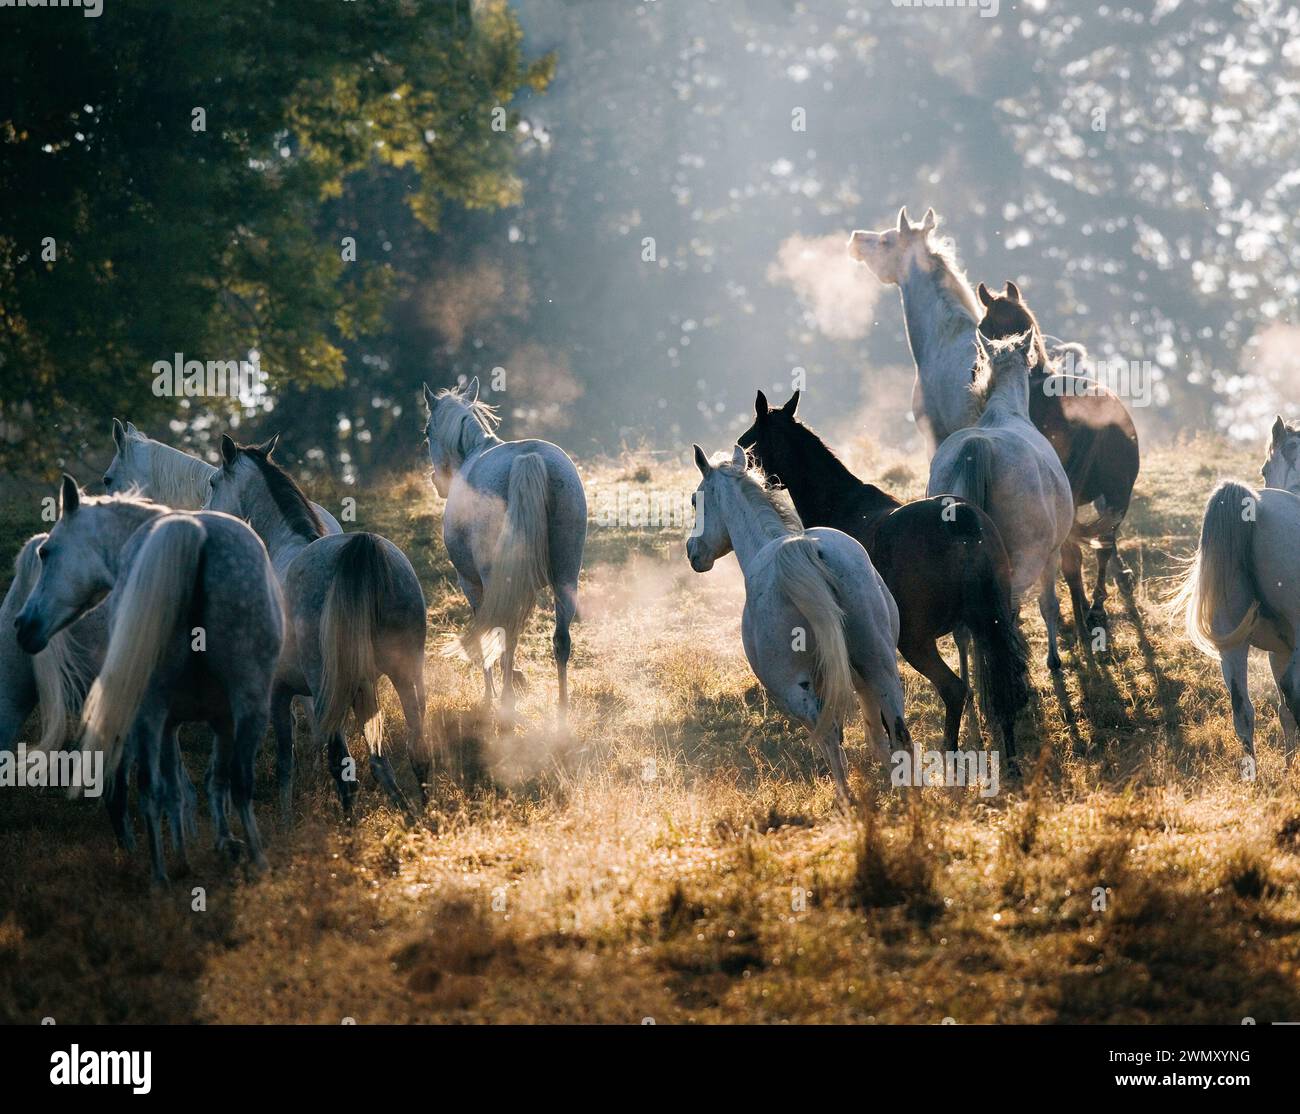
(1009, 397)
(283, 542)
(126, 519)
(823, 488)
(176, 478)
(938, 326)
(750, 525)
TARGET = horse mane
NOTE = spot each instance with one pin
(992, 366)
(770, 504)
(298, 512)
(462, 428)
(176, 478)
(953, 284)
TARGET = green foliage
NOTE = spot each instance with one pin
(216, 241)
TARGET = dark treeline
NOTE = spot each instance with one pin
(656, 228)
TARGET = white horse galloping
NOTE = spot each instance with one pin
(815, 589)
(1010, 471)
(1243, 588)
(515, 521)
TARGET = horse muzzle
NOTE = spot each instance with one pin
(31, 638)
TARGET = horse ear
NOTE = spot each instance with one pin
(702, 461)
(739, 458)
(904, 225)
(428, 396)
(119, 436)
(985, 297)
(69, 496)
(760, 405)
(1279, 430)
(131, 431)
(929, 222)
(1013, 291)
(792, 405)
(229, 450)
(267, 447)
(471, 392)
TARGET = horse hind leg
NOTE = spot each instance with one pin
(218, 786)
(1234, 663)
(176, 788)
(153, 793)
(116, 804)
(1105, 551)
(418, 748)
(364, 708)
(282, 722)
(1072, 570)
(566, 605)
(925, 658)
(247, 736)
(1049, 607)
(1286, 674)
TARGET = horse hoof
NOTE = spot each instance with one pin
(234, 849)
(1054, 662)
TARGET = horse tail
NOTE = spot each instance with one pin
(974, 478)
(520, 565)
(806, 581)
(1001, 655)
(1224, 560)
(155, 599)
(349, 626)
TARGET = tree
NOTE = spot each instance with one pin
(176, 180)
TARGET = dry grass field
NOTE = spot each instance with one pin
(678, 855)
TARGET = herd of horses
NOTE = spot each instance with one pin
(220, 595)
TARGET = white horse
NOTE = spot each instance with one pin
(1010, 471)
(515, 521)
(57, 679)
(941, 314)
(166, 575)
(356, 612)
(167, 475)
(816, 590)
(1243, 588)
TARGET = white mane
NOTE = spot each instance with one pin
(176, 479)
(462, 427)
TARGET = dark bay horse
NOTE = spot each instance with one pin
(941, 558)
(1093, 434)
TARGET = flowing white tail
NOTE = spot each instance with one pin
(520, 566)
(807, 583)
(348, 625)
(156, 597)
(1223, 561)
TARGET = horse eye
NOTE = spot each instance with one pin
(43, 553)
(108, 480)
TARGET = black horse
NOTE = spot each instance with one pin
(1093, 434)
(942, 559)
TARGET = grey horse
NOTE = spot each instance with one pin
(196, 627)
(356, 612)
(515, 521)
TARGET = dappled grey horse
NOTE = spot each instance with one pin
(515, 522)
(356, 612)
(196, 627)
(1010, 471)
(819, 625)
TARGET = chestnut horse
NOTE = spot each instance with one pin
(1093, 434)
(942, 560)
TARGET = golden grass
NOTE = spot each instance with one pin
(678, 856)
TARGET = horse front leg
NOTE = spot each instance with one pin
(1286, 674)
